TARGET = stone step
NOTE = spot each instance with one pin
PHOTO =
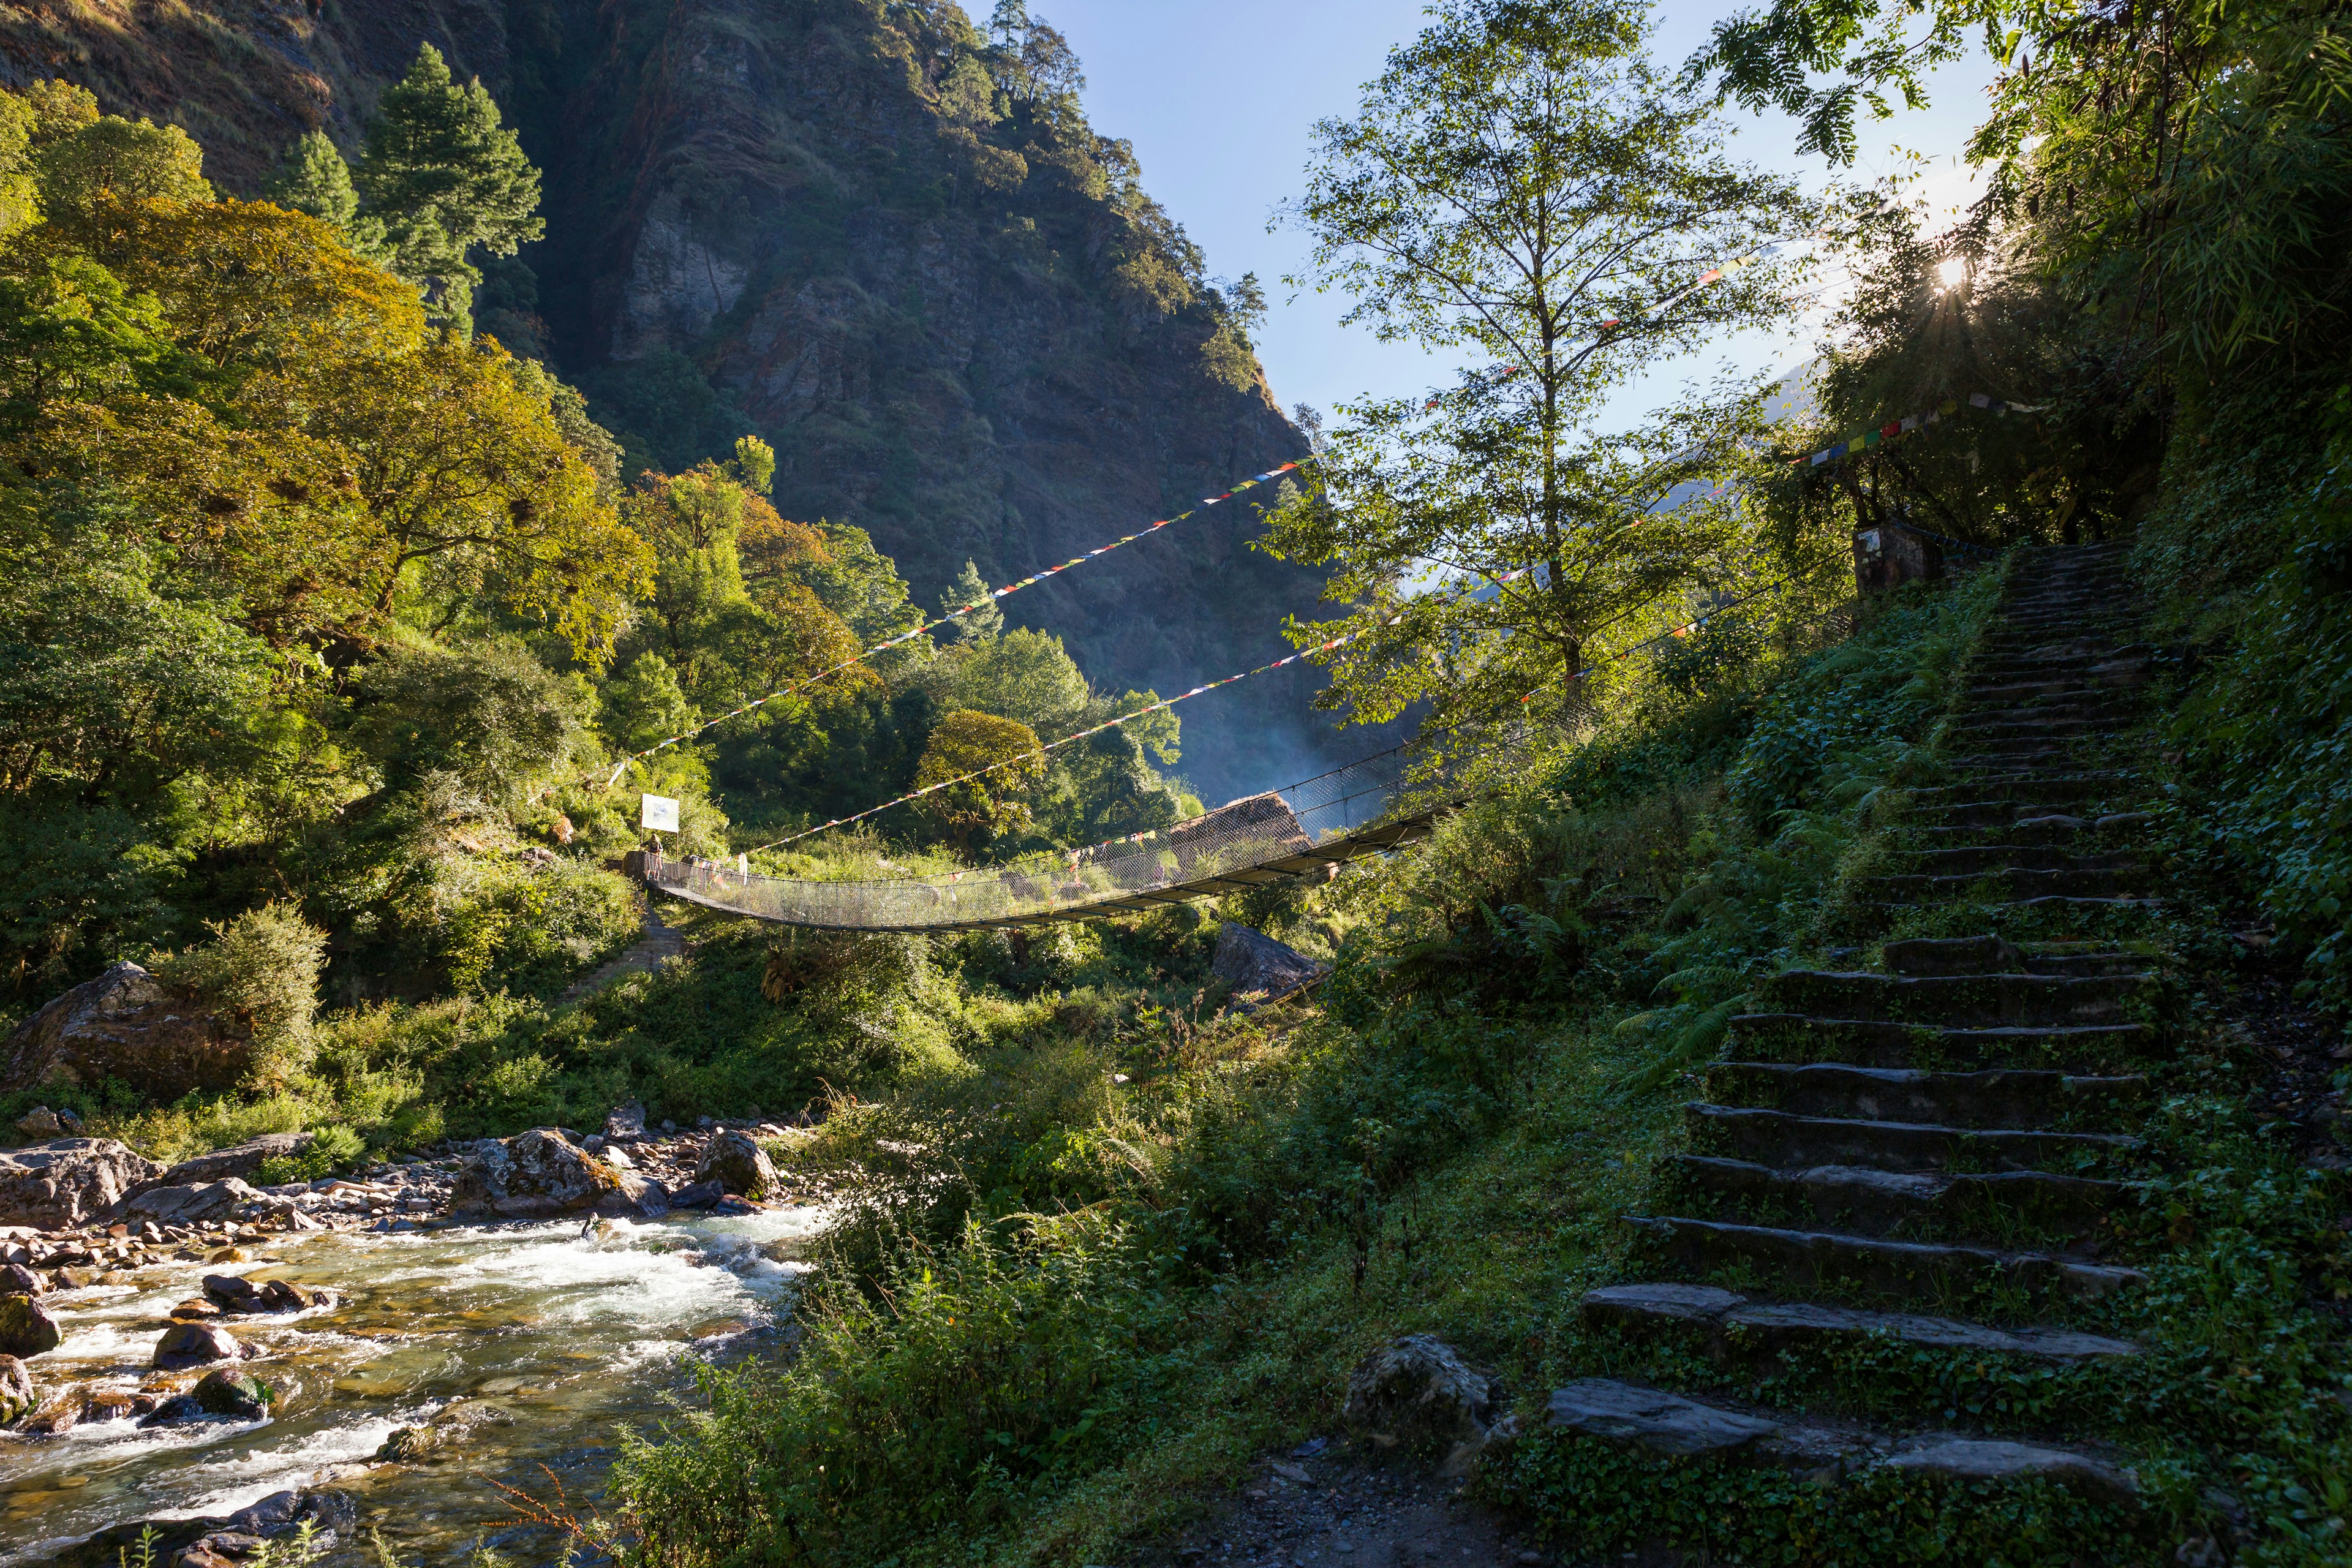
(2000, 1096)
(2050, 699)
(1927, 956)
(1632, 1416)
(1917, 957)
(1789, 1141)
(1982, 732)
(2091, 785)
(1975, 860)
(2122, 668)
(2044, 827)
(2008, 885)
(2028, 745)
(1797, 1038)
(1729, 1327)
(1952, 1000)
(2084, 965)
(2001, 1207)
(1939, 1276)
(2038, 761)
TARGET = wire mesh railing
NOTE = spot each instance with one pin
(1328, 816)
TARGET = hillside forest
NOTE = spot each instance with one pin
(341, 633)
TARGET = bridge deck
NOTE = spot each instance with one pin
(708, 886)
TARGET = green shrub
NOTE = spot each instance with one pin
(925, 1415)
(264, 966)
(331, 1149)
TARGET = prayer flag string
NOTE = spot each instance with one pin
(1112, 724)
(1894, 428)
(957, 613)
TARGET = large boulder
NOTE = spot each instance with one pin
(189, 1205)
(68, 1181)
(128, 1025)
(626, 1125)
(243, 1160)
(737, 1164)
(1418, 1392)
(534, 1173)
(25, 1329)
(1259, 968)
(196, 1344)
(18, 1398)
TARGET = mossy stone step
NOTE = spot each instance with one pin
(2000, 1096)
(2047, 828)
(1951, 1000)
(1939, 1276)
(1728, 1326)
(2036, 793)
(1978, 859)
(2002, 1207)
(1801, 1037)
(2008, 884)
(1789, 1141)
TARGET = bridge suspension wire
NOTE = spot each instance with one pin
(804, 683)
(1367, 807)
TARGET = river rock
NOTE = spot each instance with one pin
(68, 1181)
(18, 1398)
(15, 1279)
(53, 1419)
(700, 1196)
(1418, 1391)
(176, 1411)
(25, 1329)
(39, 1124)
(190, 1205)
(235, 1293)
(1259, 968)
(737, 1164)
(536, 1173)
(128, 1024)
(196, 1344)
(626, 1125)
(232, 1394)
(330, 1514)
(635, 1197)
(243, 1160)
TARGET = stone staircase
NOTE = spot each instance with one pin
(657, 946)
(1923, 1156)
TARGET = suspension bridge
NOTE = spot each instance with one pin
(1306, 830)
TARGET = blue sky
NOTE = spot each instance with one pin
(1219, 97)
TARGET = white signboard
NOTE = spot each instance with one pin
(658, 811)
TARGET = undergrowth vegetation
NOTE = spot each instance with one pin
(1092, 1270)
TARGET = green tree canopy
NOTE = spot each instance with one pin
(314, 179)
(970, 588)
(444, 175)
(979, 809)
(1522, 187)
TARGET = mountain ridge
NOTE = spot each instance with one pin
(893, 249)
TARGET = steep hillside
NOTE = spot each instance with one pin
(898, 252)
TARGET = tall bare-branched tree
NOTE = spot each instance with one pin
(1521, 187)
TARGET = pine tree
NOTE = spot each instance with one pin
(314, 179)
(972, 588)
(444, 175)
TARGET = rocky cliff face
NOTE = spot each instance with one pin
(946, 302)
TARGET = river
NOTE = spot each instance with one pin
(535, 1341)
